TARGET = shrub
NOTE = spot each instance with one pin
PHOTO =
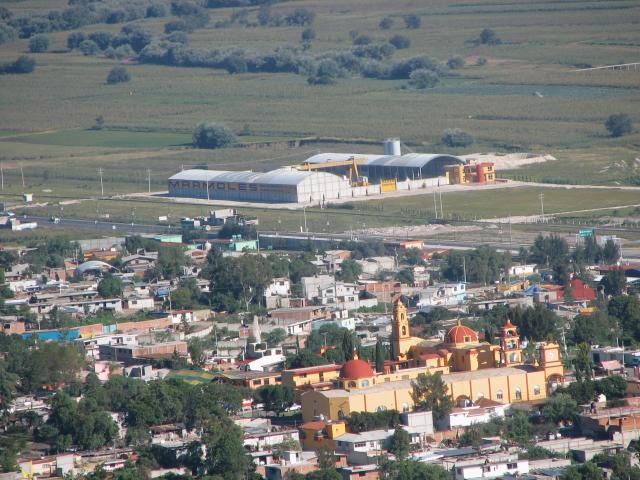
(455, 62)
(39, 43)
(619, 124)
(177, 26)
(212, 135)
(321, 80)
(379, 51)
(308, 34)
(386, 23)
(362, 40)
(412, 21)
(423, 78)
(75, 39)
(178, 37)
(118, 74)
(300, 16)
(183, 8)
(400, 41)
(22, 64)
(489, 37)
(481, 61)
(7, 33)
(157, 10)
(89, 47)
(102, 39)
(123, 51)
(457, 138)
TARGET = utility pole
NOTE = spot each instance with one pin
(435, 203)
(22, 175)
(101, 184)
(2, 175)
(149, 178)
(441, 213)
(542, 204)
(464, 268)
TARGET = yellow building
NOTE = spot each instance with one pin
(317, 434)
(472, 370)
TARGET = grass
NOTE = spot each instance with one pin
(107, 138)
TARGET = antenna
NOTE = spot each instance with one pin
(101, 184)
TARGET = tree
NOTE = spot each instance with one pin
(614, 282)
(489, 37)
(75, 39)
(21, 65)
(89, 47)
(626, 309)
(181, 298)
(400, 443)
(300, 16)
(212, 135)
(560, 408)
(275, 337)
(412, 470)
(430, 392)
(350, 270)
(276, 398)
(583, 366)
(110, 286)
(405, 276)
(610, 252)
(367, 421)
(454, 137)
(386, 23)
(196, 352)
(412, 21)
(455, 62)
(585, 471)
(99, 123)
(39, 43)
(536, 323)
(619, 124)
(423, 78)
(305, 358)
(518, 429)
(308, 34)
(380, 356)
(400, 42)
(118, 74)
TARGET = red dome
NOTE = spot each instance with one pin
(356, 369)
(461, 334)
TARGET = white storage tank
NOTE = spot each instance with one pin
(392, 147)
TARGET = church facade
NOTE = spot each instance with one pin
(472, 370)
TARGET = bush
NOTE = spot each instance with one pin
(300, 16)
(457, 138)
(423, 78)
(157, 10)
(481, 61)
(7, 34)
(308, 34)
(39, 43)
(102, 39)
(412, 21)
(22, 64)
(386, 23)
(123, 51)
(489, 37)
(177, 26)
(362, 40)
(89, 47)
(75, 39)
(183, 8)
(178, 37)
(455, 62)
(619, 124)
(400, 42)
(118, 74)
(212, 135)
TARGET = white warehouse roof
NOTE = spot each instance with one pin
(281, 176)
(416, 160)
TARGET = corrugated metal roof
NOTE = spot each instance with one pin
(281, 176)
(408, 160)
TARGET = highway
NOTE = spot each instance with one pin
(113, 228)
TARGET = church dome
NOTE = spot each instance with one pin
(356, 369)
(462, 334)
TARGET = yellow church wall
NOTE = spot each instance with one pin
(480, 389)
(499, 385)
(486, 359)
(518, 382)
(313, 404)
(536, 379)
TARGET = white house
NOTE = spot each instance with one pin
(522, 270)
(490, 466)
(481, 412)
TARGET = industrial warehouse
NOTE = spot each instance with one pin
(329, 176)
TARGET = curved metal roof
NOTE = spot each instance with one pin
(93, 265)
(281, 176)
(415, 160)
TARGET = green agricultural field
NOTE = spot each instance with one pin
(526, 97)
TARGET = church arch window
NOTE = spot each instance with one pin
(514, 357)
(381, 408)
(518, 393)
(340, 415)
(405, 407)
(404, 330)
(536, 389)
(352, 384)
(499, 395)
(365, 383)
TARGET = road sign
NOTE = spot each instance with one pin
(585, 232)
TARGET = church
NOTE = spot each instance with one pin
(472, 369)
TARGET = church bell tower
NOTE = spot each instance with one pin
(400, 335)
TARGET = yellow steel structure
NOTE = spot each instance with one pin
(354, 174)
(388, 185)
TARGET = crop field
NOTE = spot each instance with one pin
(526, 97)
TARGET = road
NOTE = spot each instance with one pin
(99, 225)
